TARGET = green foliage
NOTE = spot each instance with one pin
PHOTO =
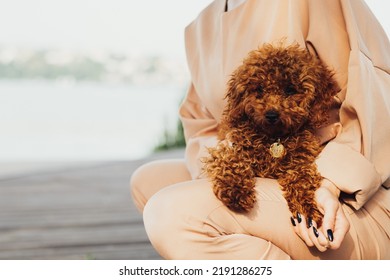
(98, 67)
(37, 66)
(172, 140)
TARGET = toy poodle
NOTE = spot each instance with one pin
(276, 100)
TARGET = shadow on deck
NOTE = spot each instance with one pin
(73, 212)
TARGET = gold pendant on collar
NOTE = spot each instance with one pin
(277, 150)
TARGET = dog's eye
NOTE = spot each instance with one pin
(290, 90)
(259, 90)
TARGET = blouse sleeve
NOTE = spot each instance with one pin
(357, 161)
(200, 131)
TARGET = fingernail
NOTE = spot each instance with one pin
(309, 223)
(330, 235)
(299, 218)
(315, 232)
(293, 221)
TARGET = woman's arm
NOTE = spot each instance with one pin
(200, 131)
(357, 161)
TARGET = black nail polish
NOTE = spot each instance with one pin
(293, 221)
(315, 232)
(330, 235)
(309, 223)
(299, 218)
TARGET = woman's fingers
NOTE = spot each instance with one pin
(330, 208)
(301, 229)
(306, 229)
(335, 224)
(318, 238)
(334, 227)
(341, 228)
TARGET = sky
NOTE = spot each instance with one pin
(144, 26)
(137, 27)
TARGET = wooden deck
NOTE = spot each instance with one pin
(74, 212)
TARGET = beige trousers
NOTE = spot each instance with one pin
(184, 220)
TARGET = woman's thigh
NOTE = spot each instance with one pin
(368, 237)
(270, 219)
(373, 224)
(151, 177)
(186, 220)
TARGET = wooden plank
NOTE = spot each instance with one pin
(65, 237)
(139, 251)
(54, 219)
(77, 213)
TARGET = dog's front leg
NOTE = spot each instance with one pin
(229, 169)
(299, 188)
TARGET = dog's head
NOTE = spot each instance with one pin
(278, 90)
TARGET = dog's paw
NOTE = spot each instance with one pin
(309, 212)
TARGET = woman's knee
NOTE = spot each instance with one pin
(175, 218)
(160, 220)
(153, 176)
(137, 187)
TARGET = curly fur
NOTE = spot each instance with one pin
(277, 93)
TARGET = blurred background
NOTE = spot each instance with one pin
(89, 90)
(94, 79)
(90, 79)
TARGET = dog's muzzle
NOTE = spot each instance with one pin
(272, 116)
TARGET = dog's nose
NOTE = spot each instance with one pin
(272, 116)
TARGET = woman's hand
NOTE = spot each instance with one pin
(334, 225)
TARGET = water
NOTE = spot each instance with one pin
(52, 121)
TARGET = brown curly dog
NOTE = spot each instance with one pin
(276, 100)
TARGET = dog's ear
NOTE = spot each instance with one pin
(235, 112)
(326, 89)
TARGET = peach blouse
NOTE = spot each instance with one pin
(347, 37)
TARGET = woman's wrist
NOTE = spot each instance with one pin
(331, 187)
